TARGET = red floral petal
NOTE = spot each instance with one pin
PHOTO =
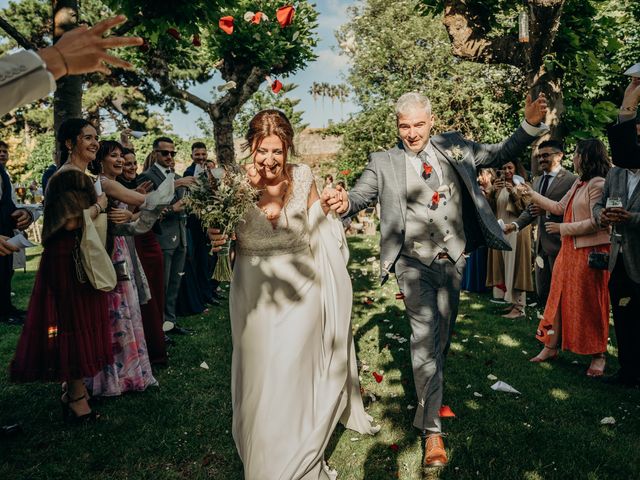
(394, 447)
(446, 412)
(435, 199)
(174, 33)
(285, 15)
(226, 24)
(257, 17)
(345, 172)
(196, 40)
(276, 86)
(377, 376)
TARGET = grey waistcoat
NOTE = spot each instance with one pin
(432, 229)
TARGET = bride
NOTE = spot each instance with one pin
(294, 373)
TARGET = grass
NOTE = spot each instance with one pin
(181, 430)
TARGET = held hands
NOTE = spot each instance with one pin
(22, 219)
(84, 50)
(337, 199)
(535, 112)
(5, 248)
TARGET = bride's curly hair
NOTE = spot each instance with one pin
(272, 122)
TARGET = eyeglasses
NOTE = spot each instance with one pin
(166, 153)
(544, 156)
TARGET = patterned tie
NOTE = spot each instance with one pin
(545, 184)
(428, 173)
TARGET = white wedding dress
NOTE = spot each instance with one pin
(294, 373)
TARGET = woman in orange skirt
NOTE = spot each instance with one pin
(577, 311)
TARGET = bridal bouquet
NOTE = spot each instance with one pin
(221, 200)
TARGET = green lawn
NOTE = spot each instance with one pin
(181, 430)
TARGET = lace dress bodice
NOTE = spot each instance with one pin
(258, 236)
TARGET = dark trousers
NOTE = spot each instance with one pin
(6, 272)
(543, 277)
(431, 298)
(625, 303)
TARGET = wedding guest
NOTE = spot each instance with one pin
(474, 278)
(554, 183)
(130, 369)
(11, 218)
(576, 316)
(510, 269)
(196, 289)
(623, 186)
(290, 305)
(431, 211)
(66, 334)
(149, 252)
(27, 75)
(172, 236)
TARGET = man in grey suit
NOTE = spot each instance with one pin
(622, 187)
(431, 212)
(554, 182)
(172, 234)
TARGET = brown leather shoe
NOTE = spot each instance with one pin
(434, 452)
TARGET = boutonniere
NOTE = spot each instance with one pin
(455, 153)
(435, 199)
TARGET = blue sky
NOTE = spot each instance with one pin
(329, 67)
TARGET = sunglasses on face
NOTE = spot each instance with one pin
(544, 156)
(166, 153)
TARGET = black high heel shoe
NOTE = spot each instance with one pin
(69, 415)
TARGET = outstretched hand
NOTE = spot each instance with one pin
(632, 93)
(85, 50)
(535, 112)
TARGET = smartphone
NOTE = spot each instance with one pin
(499, 174)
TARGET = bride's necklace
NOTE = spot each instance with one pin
(273, 196)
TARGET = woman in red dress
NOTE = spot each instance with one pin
(66, 334)
(577, 311)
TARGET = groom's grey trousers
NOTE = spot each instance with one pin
(431, 297)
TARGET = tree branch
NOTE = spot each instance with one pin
(469, 40)
(16, 35)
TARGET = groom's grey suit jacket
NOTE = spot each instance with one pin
(384, 180)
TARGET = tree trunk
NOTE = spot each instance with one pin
(223, 135)
(67, 101)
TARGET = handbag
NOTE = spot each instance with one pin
(598, 260)
(95, 259)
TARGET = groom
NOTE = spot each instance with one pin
(432, 211)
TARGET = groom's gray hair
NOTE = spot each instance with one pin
(411, 101)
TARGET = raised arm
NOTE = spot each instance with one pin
(115, 190)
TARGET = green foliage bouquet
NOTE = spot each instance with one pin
(222, 202)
